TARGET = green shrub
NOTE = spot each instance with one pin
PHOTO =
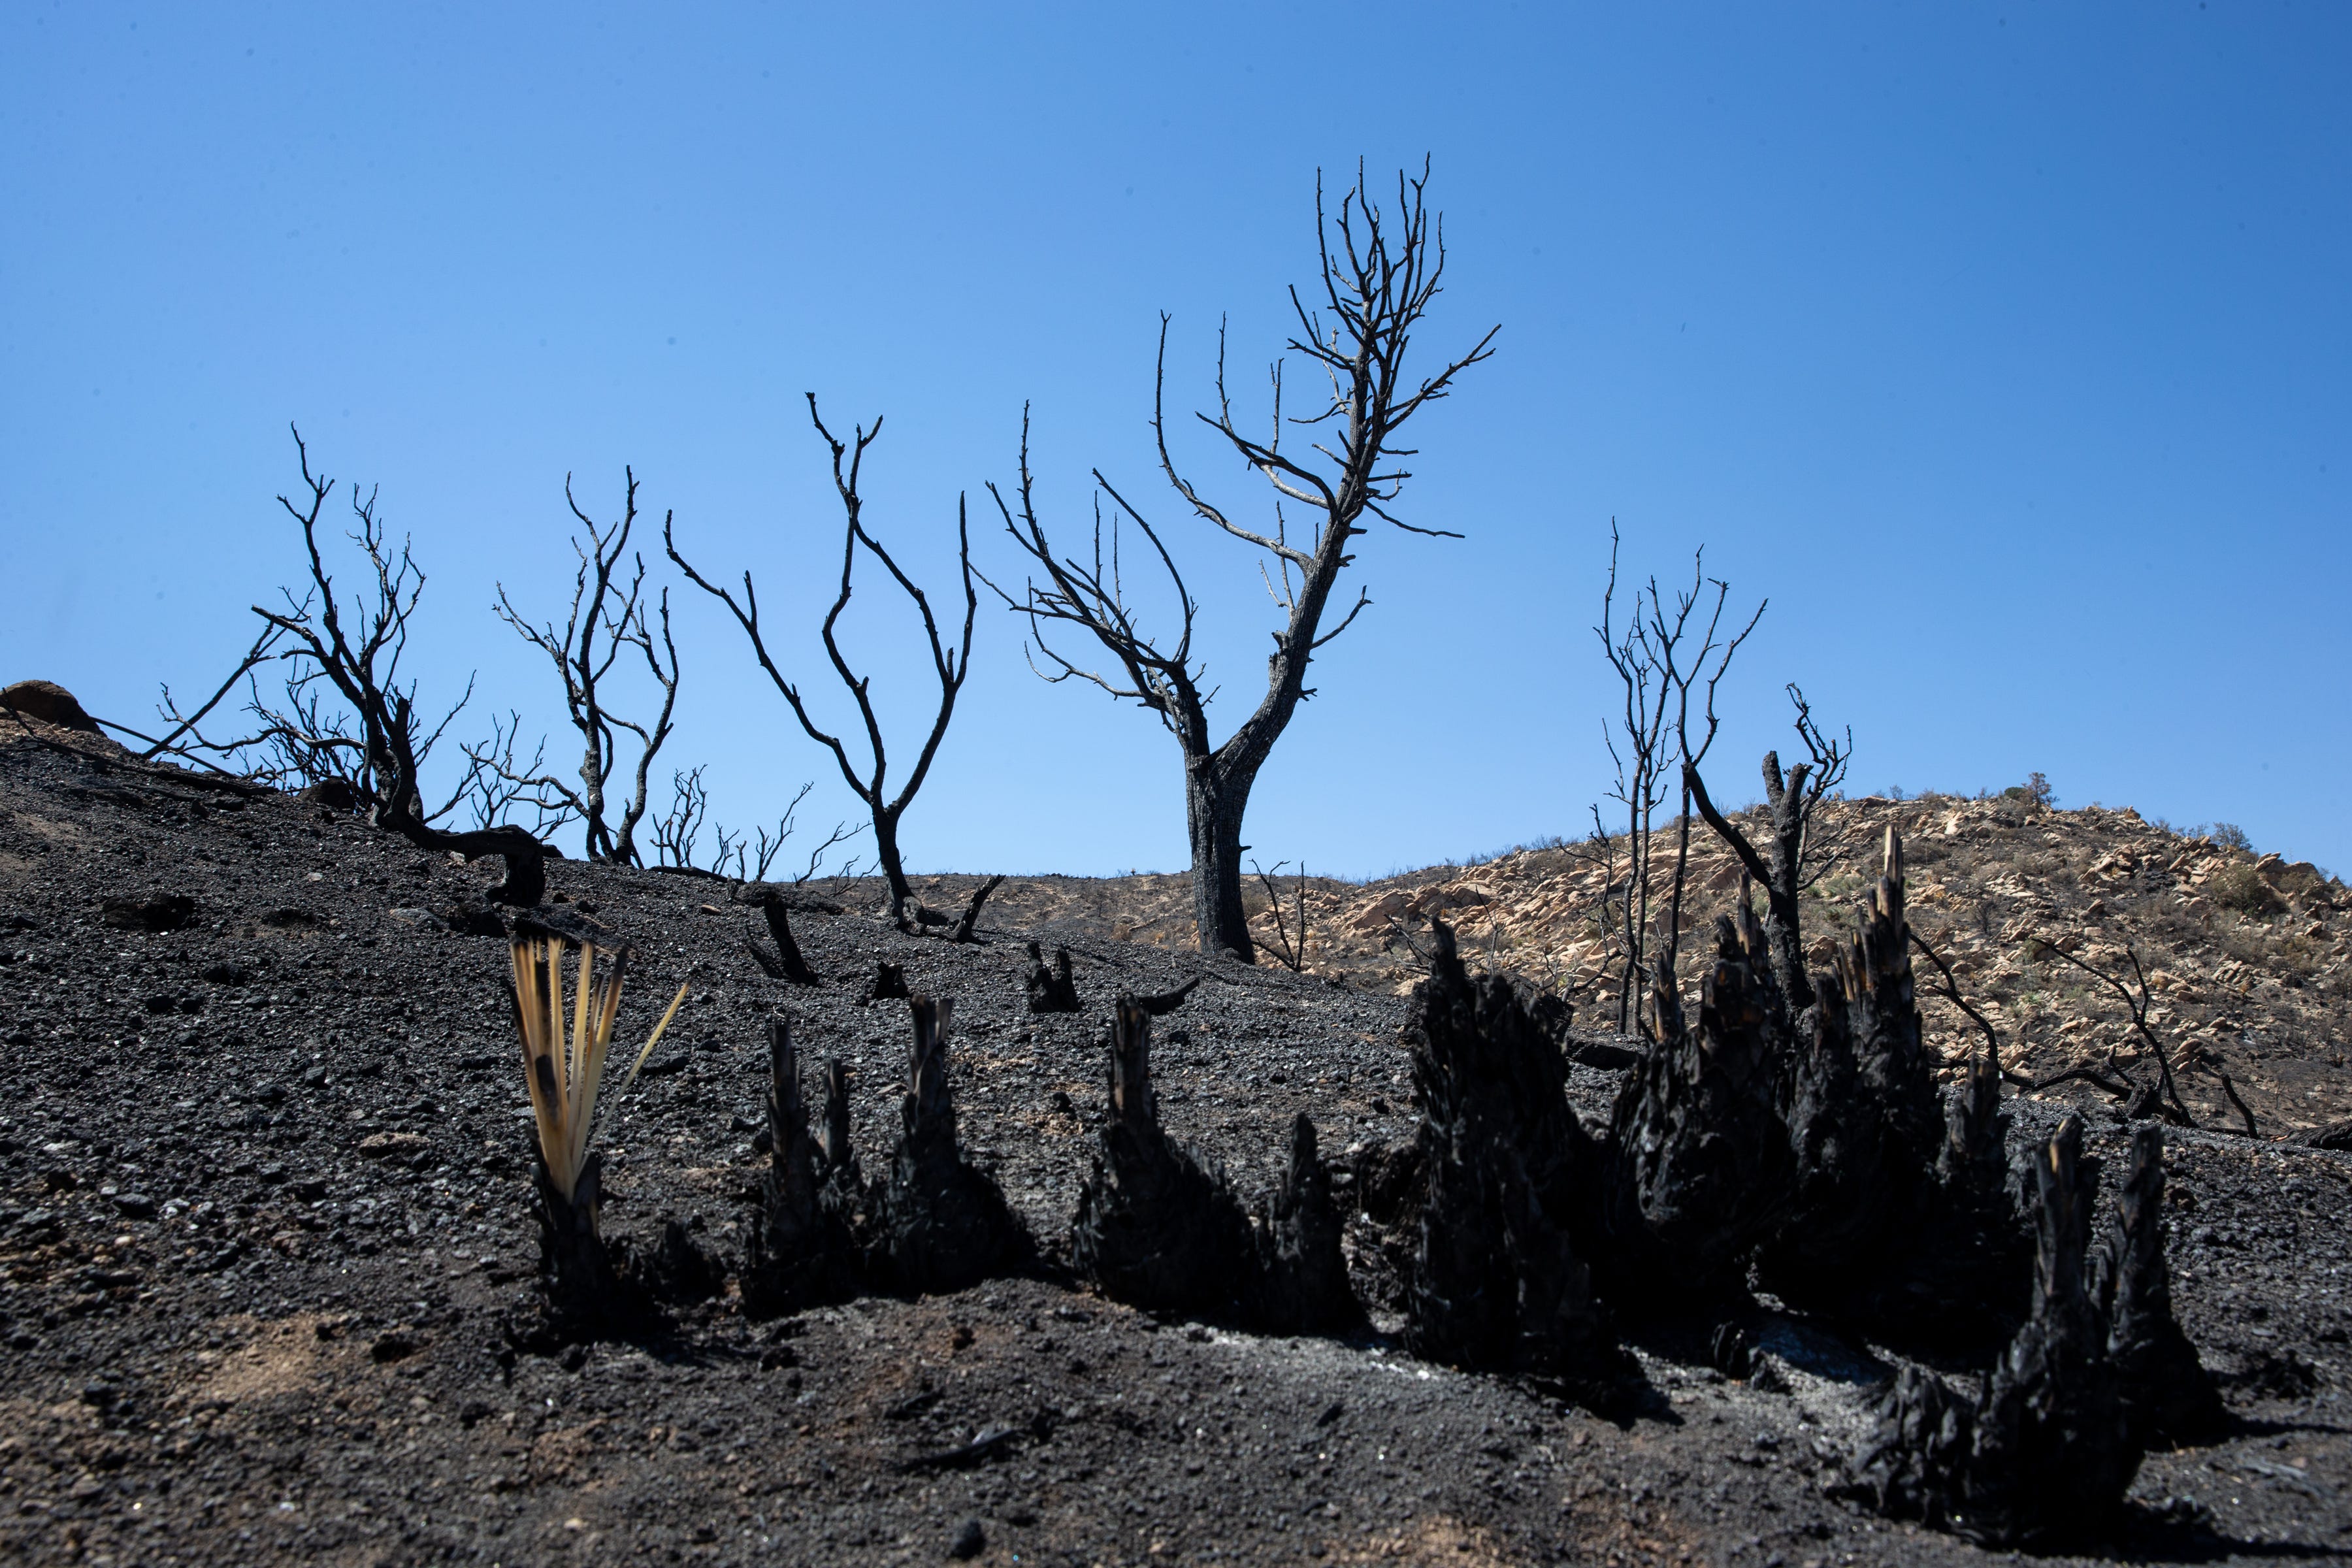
(2242, 888)
(2034, 791)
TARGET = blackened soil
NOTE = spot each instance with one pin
(263, 1219)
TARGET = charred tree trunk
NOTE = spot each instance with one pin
(1700, 1170)
(1154, 1228)
(798, 1251)
(2042, 1455)
(889, 983)
(1050, 990)
(1213, 821)
(1495, 1281)
(1301, 1284)
(944, 1225)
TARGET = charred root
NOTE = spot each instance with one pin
(1167, 1001)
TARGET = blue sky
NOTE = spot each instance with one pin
(2002, 347)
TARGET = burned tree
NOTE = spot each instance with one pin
(1380, 273)
(1795, 857)
(348, 649)
(950, 663)
(943, 1224)
(1651, 741)
(608, 617)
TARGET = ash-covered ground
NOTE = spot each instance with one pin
(264, 1221)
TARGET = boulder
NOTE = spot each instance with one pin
(48, 702)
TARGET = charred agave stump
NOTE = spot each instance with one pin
(1300, 1286)
(1495, 1281)
(1154, 1228)
(1050, 990)
(944, 1225)
(798, 1251)
(2041, 1454)
(1700, 1169)
(587, 1281)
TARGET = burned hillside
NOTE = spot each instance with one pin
(270, 1253)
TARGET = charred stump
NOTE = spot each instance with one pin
(798, 1251)
(1700, 1169)
(889, 983)
(1301, 1286)
(2168, 1397)
(1050, 990)
(2041, 1454)
(944, 1225)
(1495, 1280)
(786, 963)
(1865, 1124)
(1154, 1228)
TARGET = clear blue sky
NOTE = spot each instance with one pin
(2003, 347)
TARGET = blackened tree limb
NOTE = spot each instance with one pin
(966, 921)
(1950, 992)
(950, 664)
(2137, 1004)
(1379, 274)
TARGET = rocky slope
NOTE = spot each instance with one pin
(2245, 955)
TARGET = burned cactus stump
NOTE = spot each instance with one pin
(1300, 1285)
(2168, 1397)
(1050, 990)
(2042, 1454)
(1700, 1169)
(798, 1251)
(1154, 1228)
(943, 1226)
(1495, 1281)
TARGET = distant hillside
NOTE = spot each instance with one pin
(2245, 955)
